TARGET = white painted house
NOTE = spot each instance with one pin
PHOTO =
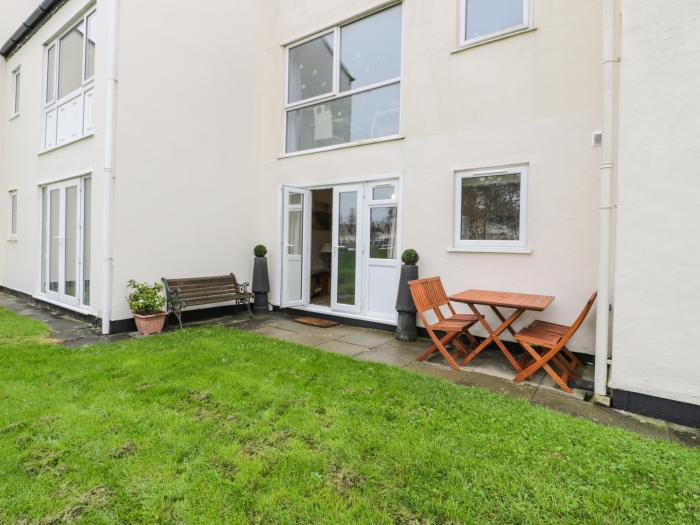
(517, 145)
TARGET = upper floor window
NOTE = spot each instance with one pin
(69, 75)
(491, 209)
(484, 19)
(14, 93)
(343, 85)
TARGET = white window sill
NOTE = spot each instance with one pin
(15, 116)
(493, 38)
(490, 249)
(87, 136)
(343, 146)
(12, 238)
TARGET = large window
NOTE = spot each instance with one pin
(14, 93)
(12, 233)
(491, 208)
(69, 74)
(484, 19)
(344, 85)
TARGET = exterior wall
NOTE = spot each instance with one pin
(533, 98)
(186, 202)
(24, 167)
(655, 349)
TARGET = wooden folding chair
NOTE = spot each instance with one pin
(429, 295)
(551, 340)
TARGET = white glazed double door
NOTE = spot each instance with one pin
(63, 242)
(364, 252)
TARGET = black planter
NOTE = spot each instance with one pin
(406, 322)
(261, 284)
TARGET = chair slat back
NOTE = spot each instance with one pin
(579, 320)
(424, 297)
(440, 297)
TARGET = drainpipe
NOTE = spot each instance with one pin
(111, 48)
(607, 166)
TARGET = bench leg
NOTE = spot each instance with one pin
(178, 314)
(250, 312)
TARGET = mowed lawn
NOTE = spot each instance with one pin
(218, 426)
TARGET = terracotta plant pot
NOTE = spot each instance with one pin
(150, 324)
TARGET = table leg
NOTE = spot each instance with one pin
(493, 336)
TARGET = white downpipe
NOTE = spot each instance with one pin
(111, 50)
(607, 166)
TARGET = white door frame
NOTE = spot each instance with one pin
(287, 191)
(358, 189)
(60, 295)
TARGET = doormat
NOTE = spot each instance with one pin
(315, 321)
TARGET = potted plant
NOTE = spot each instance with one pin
(261, 279)
(406, 321)
(147, 303)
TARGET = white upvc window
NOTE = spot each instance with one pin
(69, 80)
(491, 209)
(12, 233)
(15, 93)
(343, 84)
(486, 19)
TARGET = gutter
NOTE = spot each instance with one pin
(32, 24)
(607, 168)
(111, 50)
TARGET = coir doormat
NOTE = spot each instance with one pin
(315, 321)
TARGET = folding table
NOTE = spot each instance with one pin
(519, 302)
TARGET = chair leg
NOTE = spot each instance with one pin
(440, 345)
(541, 361)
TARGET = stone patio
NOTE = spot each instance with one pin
(490, 370)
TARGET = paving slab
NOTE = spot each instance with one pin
(367, 338)
(498, 385)
(341, 347)
(389, 355)
(454, 376)
(685, 435)
(311, 339)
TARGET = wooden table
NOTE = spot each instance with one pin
(519, 302)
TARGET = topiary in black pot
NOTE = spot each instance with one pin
(406, 321)
(261, 279)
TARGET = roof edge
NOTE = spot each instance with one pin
(33, 22)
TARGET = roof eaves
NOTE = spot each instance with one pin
(33, 22)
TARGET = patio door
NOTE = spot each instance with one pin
(63, 242)
(346, 284)
(295, 246)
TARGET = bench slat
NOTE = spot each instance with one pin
(200, 280)
(189, 290)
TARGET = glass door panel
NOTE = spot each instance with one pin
(295, 246)
(347, 251)
(70, 277)
(54, 238)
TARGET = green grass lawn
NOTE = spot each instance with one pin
(214, 425)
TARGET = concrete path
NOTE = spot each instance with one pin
(490, 371)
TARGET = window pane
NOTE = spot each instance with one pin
(87, 227)
(16, 93)
(311, 69)
(491, 208)
(54, 232)
(382, 233)
(90, 47)
(295, 247)
(347, 246)
(380, 193)
(370, 49)
(51, 74)
(13, 213)
(490, 16)
(70, 64)
(366, 115)
(71, 241)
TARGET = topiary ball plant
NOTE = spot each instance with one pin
(260, 250)
(410, 256)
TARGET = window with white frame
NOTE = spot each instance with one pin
(343, 85)
(15, 93)
(491, 208)
(484, 19)
(383, 221)
(12, 234)
(69, 74)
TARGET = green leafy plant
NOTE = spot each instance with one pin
(260, 250)
(410, 256)
(146, 299)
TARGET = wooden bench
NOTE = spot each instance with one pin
(197, 291)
